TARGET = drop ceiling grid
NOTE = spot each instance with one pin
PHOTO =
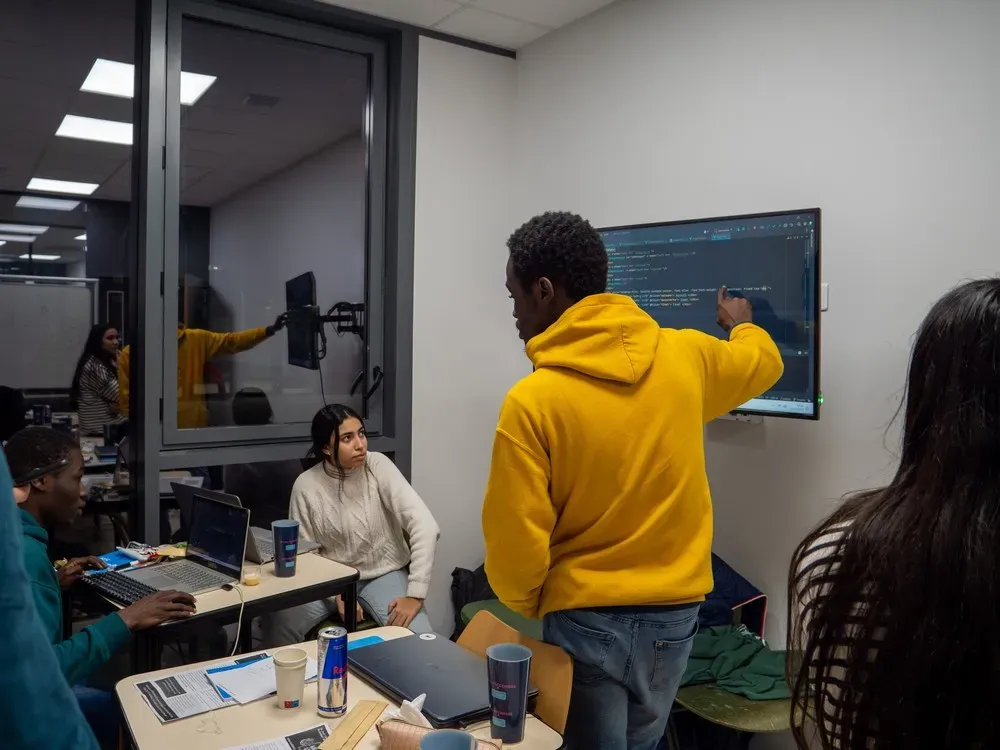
(511, 24)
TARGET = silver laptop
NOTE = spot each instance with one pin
(215, 551)
(260, 542)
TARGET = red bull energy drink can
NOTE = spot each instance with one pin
(331, 657)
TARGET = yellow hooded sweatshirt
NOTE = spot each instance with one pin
(597, 494)
(194, 348)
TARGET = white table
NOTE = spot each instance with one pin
(315, 578)
(262, 720)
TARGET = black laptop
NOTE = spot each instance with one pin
(453, 679)
(260, 543)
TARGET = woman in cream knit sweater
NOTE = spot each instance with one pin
(364, 513)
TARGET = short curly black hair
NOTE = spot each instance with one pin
(36, 448)
(564, 248)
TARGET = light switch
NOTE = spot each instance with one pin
(824, 297)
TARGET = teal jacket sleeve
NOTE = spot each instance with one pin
(87, 650)
(37, 707)
(80, 655)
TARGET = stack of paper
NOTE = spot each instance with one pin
(184, 694)
(307, 738)
(251, 681)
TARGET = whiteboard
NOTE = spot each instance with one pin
(46, 324)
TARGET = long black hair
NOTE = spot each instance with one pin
(894, 636)
(325, 431)
(93, 348)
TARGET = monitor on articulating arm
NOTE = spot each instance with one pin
(303, 321)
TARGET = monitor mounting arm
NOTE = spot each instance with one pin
(345, 317)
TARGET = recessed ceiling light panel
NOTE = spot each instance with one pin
(46, 204)
(45, 185)
(23, 229)
(118, 79)
(93, 129)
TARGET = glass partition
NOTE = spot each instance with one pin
(274, 177)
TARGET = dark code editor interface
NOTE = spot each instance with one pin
(674, 271)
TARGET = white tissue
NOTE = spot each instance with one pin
(410, 712)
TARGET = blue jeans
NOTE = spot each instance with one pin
(627, 666)
(291, 625)
(100, 710)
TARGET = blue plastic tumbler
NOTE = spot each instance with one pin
(508, 666)
(286, 547)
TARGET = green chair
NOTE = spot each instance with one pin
(520, 623)
(735, 712)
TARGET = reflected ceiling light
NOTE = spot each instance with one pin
(45, 185)
(92, 129)
(18, 237)
(81, 237)
(39, 257)
(118, 79)
(46, 204)
(193, 85)
(23, 229)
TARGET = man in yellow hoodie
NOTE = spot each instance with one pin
(597, 515)
(194, 348)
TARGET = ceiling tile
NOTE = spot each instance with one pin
(475, 23)
(118, 187)
(550, 13)
(416, 12)
(82, 168)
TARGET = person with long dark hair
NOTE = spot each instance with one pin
(364, 513)
(894, 600)
(94, 392)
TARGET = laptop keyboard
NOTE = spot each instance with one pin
(118, 588)
(194, 576)
(264, 545)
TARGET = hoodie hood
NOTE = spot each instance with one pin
(32, 529)
(605, 336)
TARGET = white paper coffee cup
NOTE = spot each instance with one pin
(290, 676)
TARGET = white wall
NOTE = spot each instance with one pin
(310, 217)
(882, 112)
(465, 350)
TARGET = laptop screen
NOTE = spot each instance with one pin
(218, 534)
(183, 493)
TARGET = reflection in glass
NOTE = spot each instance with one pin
(273, 182)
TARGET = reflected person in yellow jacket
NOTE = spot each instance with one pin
(194, 348)
(597, 515)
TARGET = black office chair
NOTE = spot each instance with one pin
(264, 487)
(12, 410)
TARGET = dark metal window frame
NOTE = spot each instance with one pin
(375, 136)
(393, 49)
